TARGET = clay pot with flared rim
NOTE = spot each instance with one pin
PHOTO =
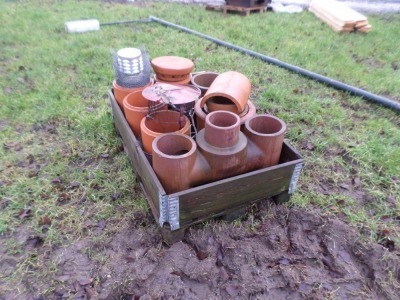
(172, 68)
(174, 155)
(120, 92)
(232, 86)
(136, 107)
(163, 121)
(186, 80)
(267, 133)
(203, 80)
(201, 114)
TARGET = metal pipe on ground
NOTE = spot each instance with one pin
(328, 81)
(90, 25)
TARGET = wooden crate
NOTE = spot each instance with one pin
(244, 11)
(176, 212)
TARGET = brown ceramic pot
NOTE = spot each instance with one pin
(120, 92)
(233, 86)
(136, 107)
(172, 68)
(164, 121)
(203, 80)
(267, 133)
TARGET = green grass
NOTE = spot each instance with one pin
(55, 121)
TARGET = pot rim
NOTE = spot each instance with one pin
(157, 151)
(151, 132)
(281, 131)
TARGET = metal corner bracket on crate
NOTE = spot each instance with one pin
(169, 211)
(295, 178)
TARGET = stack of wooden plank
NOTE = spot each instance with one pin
(338, 16)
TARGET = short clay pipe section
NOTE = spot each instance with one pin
(222, 144)
(159, 122)
(203, 81)
(136, 107)
(201, 113)
(121, 92)
(174, 157)
(231, 86)
(267, 133)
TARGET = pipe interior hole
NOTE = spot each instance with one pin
(204, 80)
(174, 145)
(265, 125)
(223, 119)
(220, 100)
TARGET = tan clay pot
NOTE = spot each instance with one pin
(120, 92)
(164, 121)
(172, 68)
(233, 86)
(136, 107)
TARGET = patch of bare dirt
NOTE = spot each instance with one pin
(276, 253)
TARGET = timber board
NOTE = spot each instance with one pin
(148, 179)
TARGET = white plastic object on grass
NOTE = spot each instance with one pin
(82, 26)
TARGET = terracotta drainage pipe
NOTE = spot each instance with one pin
(222, 151)
(159, 122)
(231, 87)
(203, 80)
(136, 107)
(121, 92)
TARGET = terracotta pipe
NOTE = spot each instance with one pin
(174, 156)
(267, 133)
(201, 113)
(232, 86)
(218, 157)
(203, 80)
(121, 92)
(136, 107)
(159, 122)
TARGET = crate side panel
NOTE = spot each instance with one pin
(149, 182)
(227, 194)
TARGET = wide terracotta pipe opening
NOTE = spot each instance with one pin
(174, 144)
(267, 133)
(204, 80)
(222, 129)
(266, 125)
(159, 122)
(174, 156)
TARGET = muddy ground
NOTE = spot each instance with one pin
(275, 252)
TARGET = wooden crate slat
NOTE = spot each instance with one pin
(223, 194)
(139, 161)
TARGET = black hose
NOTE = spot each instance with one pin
(328, 81)
(148, 20)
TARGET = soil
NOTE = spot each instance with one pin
(275, 252)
